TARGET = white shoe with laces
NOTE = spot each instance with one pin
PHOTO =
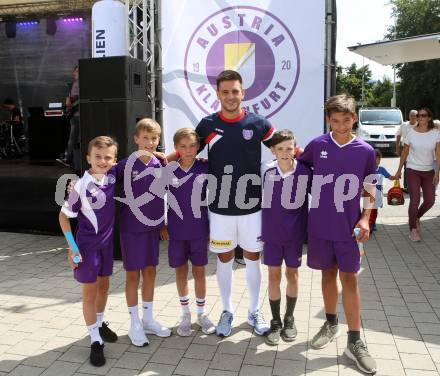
(137, 336)
(205, 324)
(153, 327)
(184, 328)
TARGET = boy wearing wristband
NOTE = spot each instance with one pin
(91, 252)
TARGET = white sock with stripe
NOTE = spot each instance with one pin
(200, 302)
(184, 303)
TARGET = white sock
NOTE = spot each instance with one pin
(253, 278)
(94, 333)
(147, 308)
(224, 280)
(200, 302)
(100, 318)
(184, 303)
(134, 316)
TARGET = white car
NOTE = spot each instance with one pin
(378, 127)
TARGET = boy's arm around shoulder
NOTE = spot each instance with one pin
(307, 156)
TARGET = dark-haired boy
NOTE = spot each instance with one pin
(286, 183)
(341, 162)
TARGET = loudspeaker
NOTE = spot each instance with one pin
(112, 78)
(113, 97)
(47, 136)
(111, 118)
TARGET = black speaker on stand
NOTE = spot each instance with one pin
(113, 98)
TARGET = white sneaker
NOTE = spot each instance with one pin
(205, 324)
(137, 336)
(153, 327)
(184, 328)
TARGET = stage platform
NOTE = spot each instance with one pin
(27, 195)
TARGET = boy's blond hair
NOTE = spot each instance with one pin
(101, 142)
(340, 103)
(183, 133)
(147, 125)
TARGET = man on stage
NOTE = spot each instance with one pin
(72, 112)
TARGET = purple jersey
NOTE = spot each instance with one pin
(148, 213)
(284, 217)
(332, 215)
(92, 202)
(185, 185)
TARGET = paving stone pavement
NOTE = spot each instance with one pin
(42, 330)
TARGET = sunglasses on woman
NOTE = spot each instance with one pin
(422, 115)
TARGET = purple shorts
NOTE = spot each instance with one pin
(96, 261)
(326, 254)
(274, 254)
(180, 251)
(139, 249)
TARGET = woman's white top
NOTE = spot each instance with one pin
(421, 149)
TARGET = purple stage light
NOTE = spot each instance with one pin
(73, 19)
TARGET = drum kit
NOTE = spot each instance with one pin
(11, 143)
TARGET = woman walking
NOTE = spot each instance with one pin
(421, 148)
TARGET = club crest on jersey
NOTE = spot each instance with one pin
(324, 154)
(248, 134)
(111, 179)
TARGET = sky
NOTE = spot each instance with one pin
(362, 21)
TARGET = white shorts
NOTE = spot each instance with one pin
(228, 231)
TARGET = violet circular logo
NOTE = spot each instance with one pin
(251, 41)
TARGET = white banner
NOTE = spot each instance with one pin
(278, 47)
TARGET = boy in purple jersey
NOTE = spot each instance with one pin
(342, 165)
(284, 225)
(141, 220)
(91, 201)
(234, 137)
(188, 229)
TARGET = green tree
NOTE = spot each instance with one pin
(349, 80)
(381, 93)
(420, 81)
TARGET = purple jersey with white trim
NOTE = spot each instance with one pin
(284, 214)
(332, 218)
(152, 186)
(92, 202)
(183, 185)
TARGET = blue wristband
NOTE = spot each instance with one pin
(73, 246)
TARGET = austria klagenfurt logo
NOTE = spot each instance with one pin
(253, 42)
